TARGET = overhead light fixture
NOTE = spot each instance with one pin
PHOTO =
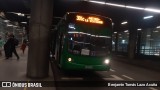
(98, 2)
(133, 7)
(139, 29)
(124, 22)
(158, 27)
(125, 6)
(156, 31)
(113, 4)
(9, 25)
(126, 31)
(20, 14)
(147, 17)
(6, 21)
(24, 22)
(152, 10)
(115, 32)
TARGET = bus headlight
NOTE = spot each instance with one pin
(106, 61)
(69, 59)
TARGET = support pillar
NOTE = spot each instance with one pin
(116, 43)
(132, 41)
(139, 43)
(40, 22)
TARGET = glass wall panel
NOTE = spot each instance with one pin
(123, 38)
(150, 42)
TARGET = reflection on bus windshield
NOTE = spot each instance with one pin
(87, 44)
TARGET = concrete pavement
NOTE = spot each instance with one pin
(15, 70)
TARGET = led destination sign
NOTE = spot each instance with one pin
(90, 19)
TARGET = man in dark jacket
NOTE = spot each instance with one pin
(10, 47)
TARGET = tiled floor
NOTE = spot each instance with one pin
(14, 70)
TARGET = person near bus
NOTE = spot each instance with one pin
(23, 46)
(10, 47)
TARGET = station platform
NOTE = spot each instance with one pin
(15, 70)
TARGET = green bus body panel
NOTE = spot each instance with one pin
(81, 62)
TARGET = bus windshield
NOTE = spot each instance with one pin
(83, 43)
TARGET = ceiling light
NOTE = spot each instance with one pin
(147, 17)
(6, 21)
(97, 2)
(124, 22)
(152, 10)
(24, 22)
(158, 27)
(113, 4)
(126, 31)
(9, 25)
(135, 7)
(121, 5)
(156, 31)
(139, 29)
(115, 32)
(20, 14)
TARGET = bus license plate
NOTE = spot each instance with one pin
(88, 67)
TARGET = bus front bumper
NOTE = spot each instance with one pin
(75, 66)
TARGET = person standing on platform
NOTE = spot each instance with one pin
(10, 47)
(23, 46)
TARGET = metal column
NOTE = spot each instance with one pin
(132, 41)
(40, 22)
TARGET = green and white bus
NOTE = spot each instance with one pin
(83, 42)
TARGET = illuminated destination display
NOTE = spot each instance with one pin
(90, 19)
